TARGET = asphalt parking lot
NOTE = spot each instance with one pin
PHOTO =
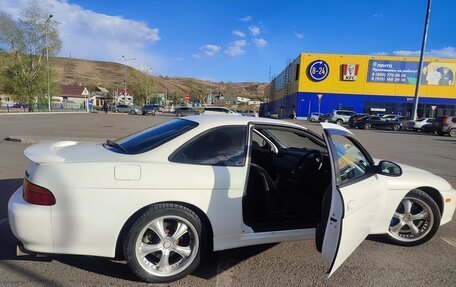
(374, 263)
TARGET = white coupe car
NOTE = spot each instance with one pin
(164, 196)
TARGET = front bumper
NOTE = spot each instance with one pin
(449, 206)
(30, 223)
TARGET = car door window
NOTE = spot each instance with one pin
(292, 139)
(225, 146)
(351, 163)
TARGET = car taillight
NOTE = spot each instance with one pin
(36, 194)
(445, 120)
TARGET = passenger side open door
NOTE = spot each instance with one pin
(353, 201)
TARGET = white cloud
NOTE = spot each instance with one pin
(299, 35)
(196, 56)
(378, 15)
(239, 33)
(446, 52)
(254, 30)
(260, 42)
(235, 48)
(90, 35)
(211, 50)
(246, 19)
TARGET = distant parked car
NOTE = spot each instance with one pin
(314, 116)
(131, 109)
(340, 117)
(355, 118)
(20, 106)
(419, 123)
(250, 113)
(184, 111)
(150, 109)
(379, 123)
(219, 111)
(445, 125)
(323, 117)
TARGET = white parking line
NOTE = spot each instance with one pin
(451, 241)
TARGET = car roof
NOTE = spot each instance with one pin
(224, 120)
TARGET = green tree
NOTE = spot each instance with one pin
(25, 43)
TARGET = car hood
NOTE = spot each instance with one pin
(69, 151)
(413, 177)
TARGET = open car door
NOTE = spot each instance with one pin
(352, 202)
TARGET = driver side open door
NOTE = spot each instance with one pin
(354, 200)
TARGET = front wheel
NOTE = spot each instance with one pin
(452, 133)
(165, 243)
(339, 122)
(396, 128)
(367, 126)
(416, 219)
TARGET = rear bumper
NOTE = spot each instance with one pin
(30, 224)
(448, 207)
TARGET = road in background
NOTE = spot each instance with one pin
(298, 263)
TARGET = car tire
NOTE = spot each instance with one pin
(367, 126)
(179, 114)
(153, 254)
(415, 221)
(339, 122)
(396, 128)
(452, 133)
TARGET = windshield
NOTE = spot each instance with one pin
(152, 137)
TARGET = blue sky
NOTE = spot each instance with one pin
(240, 40)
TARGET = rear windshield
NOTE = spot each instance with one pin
(152, 137)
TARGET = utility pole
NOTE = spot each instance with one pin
(47, 63)
(125, 82)
(420, 67)
(148, 79)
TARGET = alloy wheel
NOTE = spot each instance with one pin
(412, 221)
(167, 246)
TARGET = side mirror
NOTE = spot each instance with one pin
(389, 168)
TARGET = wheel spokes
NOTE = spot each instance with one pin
(180, 230)
(158, 227)
(163, 264)
(407, 206)
(422, 215)
(398, 215)
(397, 228)
(183, 251)
(146, 249)
(415, 231)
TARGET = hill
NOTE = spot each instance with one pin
(111, 75)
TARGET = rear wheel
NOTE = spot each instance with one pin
(165, 243)
(452, 133)
(339, 122)
(367, 126)
(416, 219)
(396, 127)
(179, 114)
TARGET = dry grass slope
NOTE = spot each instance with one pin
(111, 75)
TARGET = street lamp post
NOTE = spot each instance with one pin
(125, 82)
(47, 64)
(420, 67)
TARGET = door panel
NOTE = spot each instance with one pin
(357, 199)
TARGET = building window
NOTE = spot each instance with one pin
(297, 72)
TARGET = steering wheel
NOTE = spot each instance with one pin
(309, 164)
